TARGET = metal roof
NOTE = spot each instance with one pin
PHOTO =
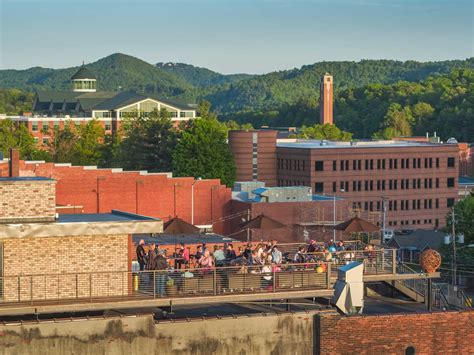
(25, 178)
(115, 216)
(83, 73)
(167, 239)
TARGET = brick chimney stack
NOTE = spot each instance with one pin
(14, 165)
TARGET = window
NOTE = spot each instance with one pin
(403, 163)
(437, 203)
(359, 164)
(437, 162)
(390, 163)
(342, 165)
(334, 186)
(366, 185)
(56, 124)
(334, 165)
(34, 126)
(319, 165)
(347, 164)
(371, 164)
(354, 165)
(354, 186)
(450, 182)
(437, 183)
(108, 126)
(451, 162)
(366, 164)
(45, 140)
(319, 187)
(347, 186)
(450, 202)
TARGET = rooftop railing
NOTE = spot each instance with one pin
(313, 274)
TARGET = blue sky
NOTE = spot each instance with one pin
(231, 36)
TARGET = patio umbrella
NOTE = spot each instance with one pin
(263, 223)
(357, 225)
(178, 226)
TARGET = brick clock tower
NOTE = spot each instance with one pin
(326, 100)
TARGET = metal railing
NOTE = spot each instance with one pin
(376, 261)
(125, 285)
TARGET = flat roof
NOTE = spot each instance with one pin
(115, 216)
(326, 144)
(25, 178)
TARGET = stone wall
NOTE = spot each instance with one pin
(24, 200)
(61, 267)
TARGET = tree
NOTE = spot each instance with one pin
(464, 219)
(149, 141)
(202, 151)
(17, 136)
(78, 145)
(326, 131)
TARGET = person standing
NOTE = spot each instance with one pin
(141, 254)
(160, 275)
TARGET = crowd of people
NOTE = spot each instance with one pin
(257, 254)
(264, 258)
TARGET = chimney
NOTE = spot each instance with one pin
(14, 165)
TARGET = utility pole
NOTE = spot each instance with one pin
(453, 233)
(384, 216)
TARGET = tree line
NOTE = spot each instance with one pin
(144, 142)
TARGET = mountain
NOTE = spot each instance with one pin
(114, 71)
(200, 77)
(268, 92)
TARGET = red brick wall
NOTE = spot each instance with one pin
(428, 333)
(155, 195)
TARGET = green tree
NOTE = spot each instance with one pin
(149, 141)
(202, 151)
(464, 219)
(17, 136)
(326, 131)
(78, 145)
(111, 151)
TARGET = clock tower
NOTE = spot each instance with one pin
(326, 100)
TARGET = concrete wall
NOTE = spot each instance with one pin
(326, 332)
(271, 334)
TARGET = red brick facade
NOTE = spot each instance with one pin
(154, 195)
(427, 333)
(420, 182)
(255, 155)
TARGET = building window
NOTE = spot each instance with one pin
(108, 126)
(437, 203)
(371, 164)
(437, 162)
(34, 126)
(354, 165)
(334, 186)
(319, 187)
(437, 183)
(366, 164)
(342, 165)
(450, 182)
(450, 202)
(451, 162)
(56, 124)
(319, 165)
(347, 164)
(45, 141)
(359, 164)
(334, 165)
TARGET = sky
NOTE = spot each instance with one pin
(233, 36)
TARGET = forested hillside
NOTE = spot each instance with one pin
(115, 72)
(200, 77)
(268, 92)
(381, 97)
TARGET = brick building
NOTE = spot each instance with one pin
(45, 256)
(418, 181)
(90, 190)
(58, 109)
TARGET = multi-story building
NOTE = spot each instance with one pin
(416, 182)
(55, 109)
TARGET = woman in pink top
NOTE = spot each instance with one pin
(206, 261)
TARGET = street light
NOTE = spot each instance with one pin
(334, 217)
